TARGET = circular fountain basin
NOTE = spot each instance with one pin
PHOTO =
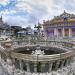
(47, 50)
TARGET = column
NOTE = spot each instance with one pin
(35, 67)
(50, 66)
(42, 67)
(57, 65)
(71, 60)
(63, 33)
(55, 32)
(62, 64)
(70, 32)
(21, 64)
(28, 68)
(0, 56)
(67, 62)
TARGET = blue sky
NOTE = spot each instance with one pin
(29, 12)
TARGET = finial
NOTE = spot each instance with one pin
(64, 11)
(35, 26)
(38, 23)
(1, 16)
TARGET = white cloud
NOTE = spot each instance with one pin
(34, 10)
(4, 2)
(47, 3)
(22, 6)
(37, 10)
(33, 4)
(7, 12)
(16, 20)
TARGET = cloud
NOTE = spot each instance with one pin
(19, 20)
(23, 6)
(7, 12)
(29, 12)
(35, 7)
(32, 11)
(4, 2)
(70, 6)
(15, 20)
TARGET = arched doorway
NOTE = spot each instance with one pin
(66, 31)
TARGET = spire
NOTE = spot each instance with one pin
(39, 24)
(64, 11)
(1, 17)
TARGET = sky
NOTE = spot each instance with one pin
(29, 12)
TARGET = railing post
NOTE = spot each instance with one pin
(50, 66)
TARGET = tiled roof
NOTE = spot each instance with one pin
(61, 18)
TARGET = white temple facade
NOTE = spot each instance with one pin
(60, 26)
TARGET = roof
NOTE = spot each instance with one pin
(62, 18)
(64, 15)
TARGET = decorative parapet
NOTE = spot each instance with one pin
(42, 57)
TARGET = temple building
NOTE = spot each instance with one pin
(4, 28)
(33, 55)
(60, 26)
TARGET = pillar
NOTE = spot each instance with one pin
(0, 56)
(55, 32)
(21, 64)
(35, 67)
(28, 68)
(50, 66)
(71, 60)
(62, 63)
(63, 33)
(67, 61)
(42, 67)
(57, 65)
(70, 32)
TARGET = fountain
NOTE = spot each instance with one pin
(38, 51)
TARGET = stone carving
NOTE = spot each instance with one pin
(38, 51)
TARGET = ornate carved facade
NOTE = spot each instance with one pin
(60, 26)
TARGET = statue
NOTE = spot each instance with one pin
(38, 51)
